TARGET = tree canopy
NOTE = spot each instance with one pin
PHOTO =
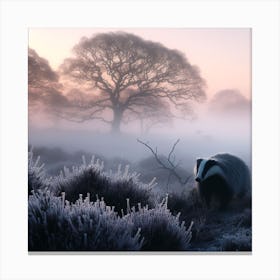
(39, 71)
(43, 84)
(229, 102)
(130, 75)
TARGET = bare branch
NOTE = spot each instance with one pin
(172, 150)
(172, 167)
(79, 118)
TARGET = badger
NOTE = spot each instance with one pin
(223, 177)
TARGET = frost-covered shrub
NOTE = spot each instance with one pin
(55, 225)
(161, 230)
(36, 174)
(242, 219)
(238, 241)
(115, 188)
(178, 203)
(246, 218)
(56, 158)
(189, 205)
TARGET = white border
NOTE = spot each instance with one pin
(262, 16)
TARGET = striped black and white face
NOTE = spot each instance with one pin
(206, 168)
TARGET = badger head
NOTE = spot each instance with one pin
(205, 168)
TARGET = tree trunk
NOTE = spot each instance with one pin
(116, 123)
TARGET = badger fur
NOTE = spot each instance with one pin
(222, 177)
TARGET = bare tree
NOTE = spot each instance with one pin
(44, 89)
(40, 74)
(128, 74)
(230, 102)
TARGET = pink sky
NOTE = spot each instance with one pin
(223, 55)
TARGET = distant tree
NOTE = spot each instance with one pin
(40, 74)
(44, 89)
(229, 102)
(128, 75)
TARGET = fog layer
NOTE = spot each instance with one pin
(209, 133)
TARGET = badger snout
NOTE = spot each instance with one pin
(198, 179)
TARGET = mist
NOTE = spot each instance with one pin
(105, 117)
(207, 134)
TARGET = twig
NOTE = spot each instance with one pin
(173, 166)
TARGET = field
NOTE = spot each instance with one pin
(79, 203)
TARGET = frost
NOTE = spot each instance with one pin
(161, 230)
(241, 240)
(54, 225)
(115, 188)
(70, 214)
(36, 174)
